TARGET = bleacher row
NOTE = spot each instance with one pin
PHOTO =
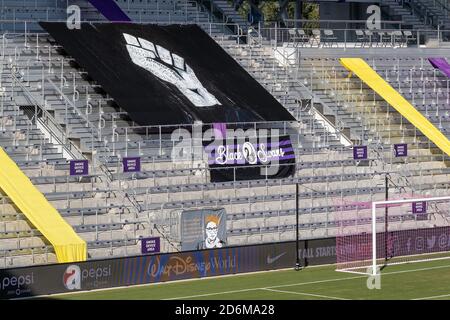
(101, 213)
(362, 38)
(168, 196)
(21, 15)
(353, 103)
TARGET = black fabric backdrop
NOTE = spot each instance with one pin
(101, 50)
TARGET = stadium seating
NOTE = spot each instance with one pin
(18, 16)
(319, 75)
(52, 112)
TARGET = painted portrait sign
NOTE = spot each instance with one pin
(203, 229)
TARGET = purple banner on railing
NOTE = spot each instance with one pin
(248, 153)
(401, 150)
(441, 64)
(360, 152)
(246, 159)
(132, 164)
(220, 130)
(110, 10)
(150, 245)
(79, 167)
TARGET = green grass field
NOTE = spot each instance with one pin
(419, 280)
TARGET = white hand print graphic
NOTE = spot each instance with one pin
(169, 67)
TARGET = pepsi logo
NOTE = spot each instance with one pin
(72, 277)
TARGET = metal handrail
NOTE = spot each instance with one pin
(317, 99)
(55, 125)
(330, 22)
(208, 27)
(90, 125)
(103, 166)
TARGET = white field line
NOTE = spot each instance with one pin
(304, 283)
(353, 272)
(433, 297)
(264, 288)
(305, 294)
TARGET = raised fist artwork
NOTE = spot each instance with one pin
(169, 67)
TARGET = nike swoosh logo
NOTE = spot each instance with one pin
(272, 260)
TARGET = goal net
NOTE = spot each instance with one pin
(393, 232)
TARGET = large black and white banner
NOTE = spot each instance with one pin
(247, 159)
(163, 75)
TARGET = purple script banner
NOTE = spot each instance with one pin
(150, 245)
(132, 164)
(247, 159)
(248, 153)
(79, 167)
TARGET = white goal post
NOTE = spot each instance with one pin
(393, 232)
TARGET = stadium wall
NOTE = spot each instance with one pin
(126, 271)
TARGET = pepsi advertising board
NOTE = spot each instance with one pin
(99, 274)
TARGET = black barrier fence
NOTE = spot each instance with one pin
(126, 271)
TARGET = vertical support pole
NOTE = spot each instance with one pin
(386, 232)
(276, 35)
(439, 36)
(26, 34)
(298, 13)
(297, 255)
(126, 142)
(374, 239)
